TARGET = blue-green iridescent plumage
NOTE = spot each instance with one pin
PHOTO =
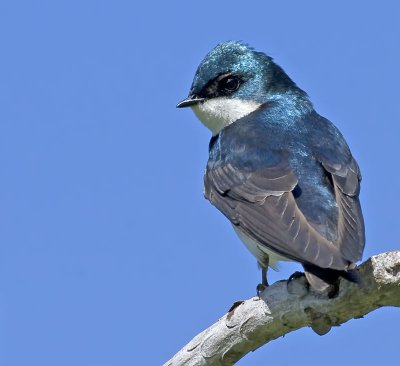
(259, 142)
(267, 78)
(283, 174)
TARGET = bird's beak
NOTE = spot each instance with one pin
(189, 101)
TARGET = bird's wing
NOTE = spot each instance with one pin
(338, 161)
(260, 203)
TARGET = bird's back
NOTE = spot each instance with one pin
(270, 135)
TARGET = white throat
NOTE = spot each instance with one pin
(217, 113)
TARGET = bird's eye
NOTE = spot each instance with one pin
(230, 84)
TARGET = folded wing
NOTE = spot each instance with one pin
(261, 203)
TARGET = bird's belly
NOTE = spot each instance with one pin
(261, 252)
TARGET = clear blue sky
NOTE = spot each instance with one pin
(109, 254)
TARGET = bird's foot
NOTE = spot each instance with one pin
(264, 282)
(295, 275)
(260, 288)
(297, 284)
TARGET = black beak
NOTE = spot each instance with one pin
(189, 101)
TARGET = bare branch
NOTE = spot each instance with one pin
(283, 309)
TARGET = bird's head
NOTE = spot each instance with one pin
(232, 81)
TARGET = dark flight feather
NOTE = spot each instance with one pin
(294, 190)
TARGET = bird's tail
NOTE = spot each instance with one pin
(326, 279)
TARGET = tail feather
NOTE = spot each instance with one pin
(321, 279)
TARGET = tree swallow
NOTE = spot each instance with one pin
(281, 173)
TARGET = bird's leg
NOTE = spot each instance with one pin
(264, 282)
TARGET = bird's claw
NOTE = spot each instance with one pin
(300, 287)
(260, 288)
(295, 275)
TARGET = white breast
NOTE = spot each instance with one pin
(217, 113)
(261, 252)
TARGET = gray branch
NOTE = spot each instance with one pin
(283, 308)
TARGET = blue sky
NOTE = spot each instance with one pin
(109, 254)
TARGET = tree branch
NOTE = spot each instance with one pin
(283, 308)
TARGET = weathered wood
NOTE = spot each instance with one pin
(283, 308)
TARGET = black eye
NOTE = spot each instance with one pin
(229, 84)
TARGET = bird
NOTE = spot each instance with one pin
(282, 174)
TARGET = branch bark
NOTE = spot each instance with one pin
(283, 308)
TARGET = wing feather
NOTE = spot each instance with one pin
(254, 185)
(346, 179)
(269, 214)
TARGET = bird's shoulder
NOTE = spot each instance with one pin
(268, 135)
(331, 149)
(253, 141)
